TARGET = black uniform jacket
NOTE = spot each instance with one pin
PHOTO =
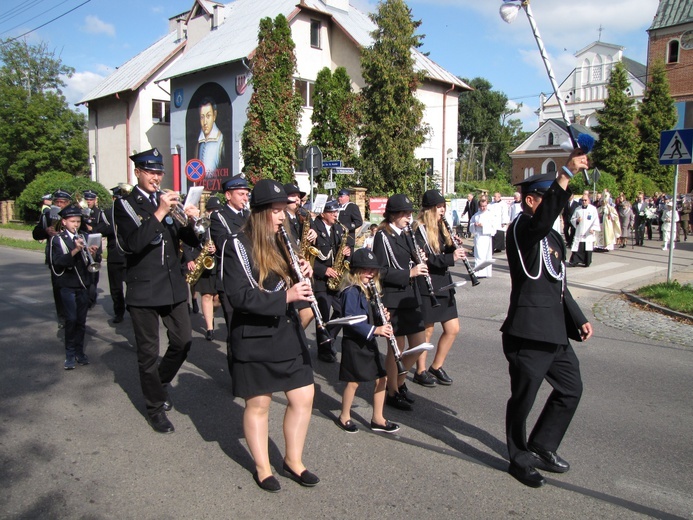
(263, 326)
(541, 309)
(153, 276)
(438, 264)
(351, 218)
(326, 244)
(355, 303)
(71, 271)
(398, 291)
(115, 255)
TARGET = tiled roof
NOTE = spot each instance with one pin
(136, 71)
(671, 13)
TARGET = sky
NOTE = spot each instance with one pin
(467, 37)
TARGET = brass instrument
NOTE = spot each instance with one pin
(205, 260)
(340, 264)
(458, 242)
(306, 249)
(418, 255)
(177, 211)
(92, 265)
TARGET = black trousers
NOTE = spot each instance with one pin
(581, 256)
(116, 279)
(529, 364)
(75, 304)
(59, 307)
(640, 234)
(228, 312)
(154, 374)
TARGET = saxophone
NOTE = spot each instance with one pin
(306, 250)
(340, 264)
(205, 260)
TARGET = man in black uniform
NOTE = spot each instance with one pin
(349, 215)
(226, 222)
(156, 288)
(115, 263)
(541, 318)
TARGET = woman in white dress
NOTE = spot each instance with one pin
(481, 226)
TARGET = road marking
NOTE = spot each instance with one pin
(599, 268)
(25, 299)
(610, 281)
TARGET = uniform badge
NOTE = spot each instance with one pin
(168, 220)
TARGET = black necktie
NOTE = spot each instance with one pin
(152, 198)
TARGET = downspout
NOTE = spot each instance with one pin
(444, 167)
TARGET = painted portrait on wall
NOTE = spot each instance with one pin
(208, 135)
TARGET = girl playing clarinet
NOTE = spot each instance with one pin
(441, 253)
(394, 250)
(268, 345)
(361, 360)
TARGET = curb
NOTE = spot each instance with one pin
(664, 310)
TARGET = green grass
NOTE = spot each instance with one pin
(672, 295)
(14, 225)
(22, 244)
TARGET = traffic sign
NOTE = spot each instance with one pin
(675, 146)
(343, 171)
(194, 170)
(313, 160)
(332, 164)
(330, 185)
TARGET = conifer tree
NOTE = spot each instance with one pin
(392, 115)
(270, 135)
(335, 117)
(657, 114)
(616, 151)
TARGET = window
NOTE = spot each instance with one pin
(315, 26)
(550, 139)
(305, 88)
(673, 52)
(550, 167)
(161, 111)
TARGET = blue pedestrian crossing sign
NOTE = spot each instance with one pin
(675, 146)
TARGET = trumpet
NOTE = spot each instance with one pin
(458, 242)
(177, 211)
(92, 265)
(418, 255)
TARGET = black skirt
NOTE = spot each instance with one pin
(445, 312)
(406, 321)
(253, 378)
(361, 361)
(207, 284)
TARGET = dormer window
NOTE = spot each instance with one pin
(673, 52)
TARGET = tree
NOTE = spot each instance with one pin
(38, 131)
(657, 114)
(270, 135)
(335, 116)
(616, 151)
(392, 127)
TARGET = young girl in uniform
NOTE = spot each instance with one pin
(441, 254)
(361, 359)
(394, 250)
(268, 345)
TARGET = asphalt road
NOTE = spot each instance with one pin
(76, 444)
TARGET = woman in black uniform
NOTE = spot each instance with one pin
(441, 253)
(268, 345)
(394, 250)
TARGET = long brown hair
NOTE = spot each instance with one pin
(353, 277)
(429, 218)
(268, 250)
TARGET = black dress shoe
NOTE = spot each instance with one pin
(528, 476)
(210, 335)
(327, 356)
(117, 319)
(549, 460)
(306, 478)
(441, 375)
(168, 404)
(270, 484)
(406, 393)
(160, 423)
(398, 401)
(423, 378)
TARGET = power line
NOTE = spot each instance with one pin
(33, 17)
(43, 25)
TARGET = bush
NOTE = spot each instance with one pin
(28, 204)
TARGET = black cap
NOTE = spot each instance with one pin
(117, 192)
(291, 188)
(89, 195)
(267, 191)
(62, 194)
(212, 203)
(538, 183)
(149, 160)
(237, 182)
(397, 203)
(343, 191)
(432, 198)
(70, 211)
(331, 206)
(364, 259)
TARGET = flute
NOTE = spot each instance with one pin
(323, 337)
(419, 260)
(380, 311)
(467, 265)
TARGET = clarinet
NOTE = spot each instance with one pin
(323, 337)
(467, 265)
(380, 310)
(419, 260)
